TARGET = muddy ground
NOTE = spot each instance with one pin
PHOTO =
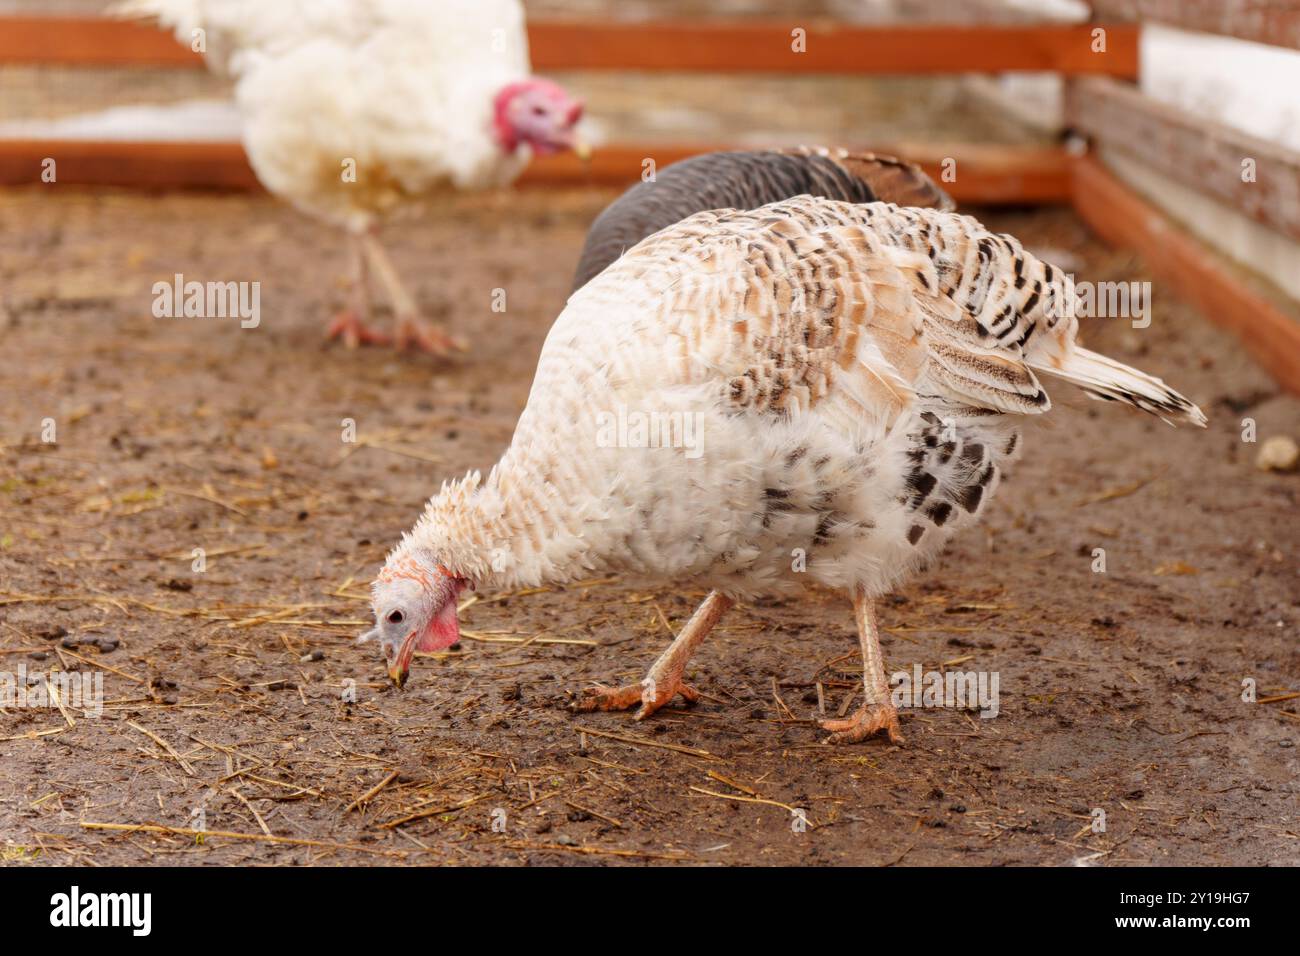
(1119, 691)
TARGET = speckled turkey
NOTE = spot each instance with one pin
(837, 387)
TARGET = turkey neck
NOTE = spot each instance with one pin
(510, 529)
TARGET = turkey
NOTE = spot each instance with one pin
(354, 109)
(748, 401)
(746, 180)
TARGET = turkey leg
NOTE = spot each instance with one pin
(350, 324)
(877, 712)
(664, 680)
(412, 331)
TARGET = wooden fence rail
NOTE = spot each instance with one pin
(712, 46)
(1276, 22)
(1123, 218)
(1256, 177)
(986, 175)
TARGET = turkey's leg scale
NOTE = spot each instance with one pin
(664, 679)
(411, 329)
(877, 711)
(350, 324)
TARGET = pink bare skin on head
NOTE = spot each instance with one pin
(414, 600)
(538, 113)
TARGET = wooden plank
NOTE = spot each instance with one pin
(90, 41)
(748, 46)
(1123, 218)
(612, 165)
(155, 166)
(1202, 153)
(991, 174)
(716, 46)
(985, 175)
(1276, 22)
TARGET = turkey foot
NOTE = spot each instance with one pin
(877, 712)
(412, 331)
(415, 333)
(350, 324)
(352, 329)
(664, 681)
(865, 722)
(651, 694)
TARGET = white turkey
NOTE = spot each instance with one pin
(354, 109)
(838, 388)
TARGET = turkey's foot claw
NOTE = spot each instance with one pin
(866, 721)
(349, 326)
(413, 333)
(649, 706)
(607, 698)
(650, 695)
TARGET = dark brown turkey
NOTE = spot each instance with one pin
(747, 180)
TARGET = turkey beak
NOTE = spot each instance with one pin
(401, 666)
(581, 148)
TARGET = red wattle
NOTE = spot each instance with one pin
(443, 631)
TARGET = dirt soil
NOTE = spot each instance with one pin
(1119, 691)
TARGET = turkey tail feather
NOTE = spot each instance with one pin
(896, 181)
(1105, 379)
